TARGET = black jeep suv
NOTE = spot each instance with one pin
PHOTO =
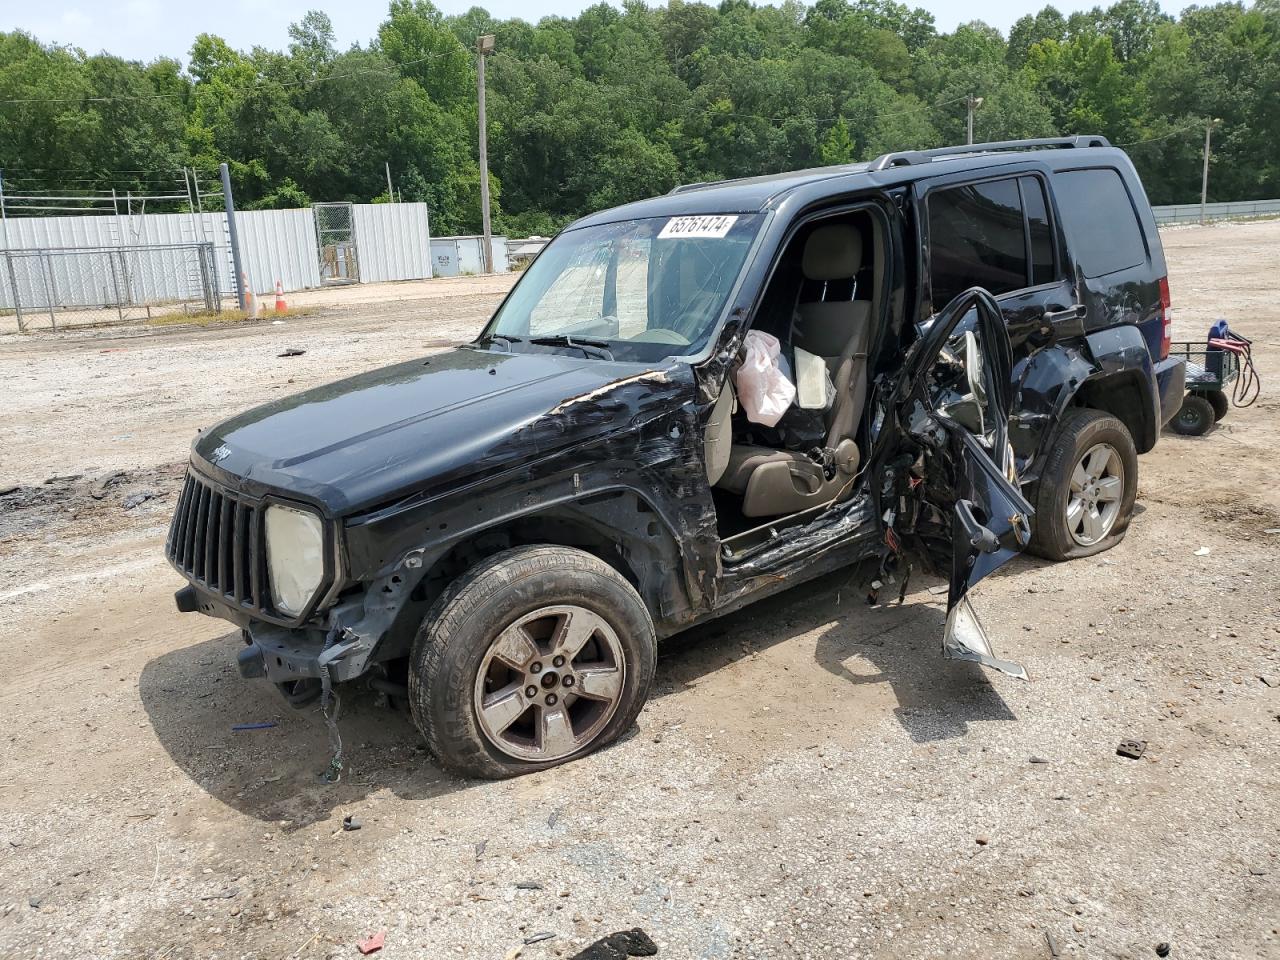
(501, 532)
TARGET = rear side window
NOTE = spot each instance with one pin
(1039, 233)
(1100, 220)
(995, 235)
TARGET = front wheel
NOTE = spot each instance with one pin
(531, 658)
(1085, 496)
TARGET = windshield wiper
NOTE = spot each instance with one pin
(501, 338)
(598, 349)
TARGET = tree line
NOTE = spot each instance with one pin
(616, 104)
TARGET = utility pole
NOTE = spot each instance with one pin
(391, 196)
(1204, 176)
(233, 235)
(972, 103)
(484, 46)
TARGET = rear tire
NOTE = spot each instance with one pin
(498, 620)
(1218, 400)
(1085, 438)
(1194, 417)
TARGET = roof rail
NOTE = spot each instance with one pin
(906, 158)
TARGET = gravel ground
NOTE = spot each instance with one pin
(810, 780)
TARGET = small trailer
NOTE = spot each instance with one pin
(1214, 382)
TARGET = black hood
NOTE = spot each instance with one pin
(397, 430)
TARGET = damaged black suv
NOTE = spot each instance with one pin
(977, 339)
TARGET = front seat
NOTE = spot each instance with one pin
(775, 482)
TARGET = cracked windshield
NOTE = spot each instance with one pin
(639, 289)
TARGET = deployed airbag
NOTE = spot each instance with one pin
(763, 389)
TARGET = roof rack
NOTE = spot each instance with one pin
(906, 158)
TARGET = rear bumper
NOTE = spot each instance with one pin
(1171, 385)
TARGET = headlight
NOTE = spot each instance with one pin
(295, 556)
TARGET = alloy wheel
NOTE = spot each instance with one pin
(1097, 487)
(549, 683)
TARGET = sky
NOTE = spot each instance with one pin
(146, 29)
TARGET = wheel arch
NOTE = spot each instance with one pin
(1126, 396)
(619, 526)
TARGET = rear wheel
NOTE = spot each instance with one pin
(533, 657)
(1194, 417)
(1085, 496)
(1218, 400)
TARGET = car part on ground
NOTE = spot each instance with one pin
(1084, 498)
(480, 666)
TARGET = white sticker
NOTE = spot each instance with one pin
(712, 227)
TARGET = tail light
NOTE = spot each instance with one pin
(1166, 319)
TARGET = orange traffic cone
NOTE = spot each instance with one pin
(250, 301)
(281, 306)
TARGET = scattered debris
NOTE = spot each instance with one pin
(1257, 872)
(1038, 759)
(1133, 749)
(291, 352)
(226, 894)
(480, 849)
(981, 841)
(1202, 552)
(1269, 680)
(138, 499)
(260, 725)
(1162, 949)
(528, 885)
(373, 944)
(618, 946)
(539, 937)
(350, 822)
(1053, 943)
(555, 816)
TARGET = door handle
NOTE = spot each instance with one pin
(980, 538)
(1074, 312)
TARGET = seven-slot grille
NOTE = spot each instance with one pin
(216, 541)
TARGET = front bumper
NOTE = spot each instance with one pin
(361, 630)
(1171, 380)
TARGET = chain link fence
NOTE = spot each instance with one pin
(52, 287)
(336, 232)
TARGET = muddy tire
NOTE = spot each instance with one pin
(1085, 496)
(1194, 417)
(533, 657)
(1218, 400)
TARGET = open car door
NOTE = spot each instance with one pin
(959, 503)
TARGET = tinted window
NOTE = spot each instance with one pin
(1100, 220)
(1038, 231)
(976, 238)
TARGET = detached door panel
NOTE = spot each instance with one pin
(953, 404)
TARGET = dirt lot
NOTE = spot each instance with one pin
(811, 779)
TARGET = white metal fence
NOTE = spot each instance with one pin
(1230, 210)
(392, 242)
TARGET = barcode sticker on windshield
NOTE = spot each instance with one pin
(697, 227)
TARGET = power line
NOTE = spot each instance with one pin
(262, 83)
(1176, 133)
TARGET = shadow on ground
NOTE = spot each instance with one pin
(194, 695)
(936, 698)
